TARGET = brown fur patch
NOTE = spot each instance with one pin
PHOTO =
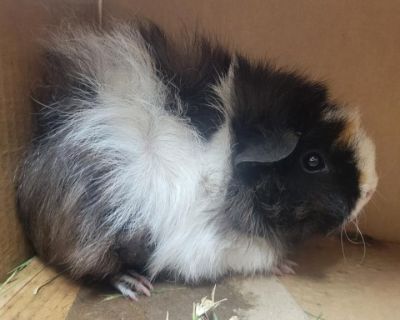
(363, 177)
(349, 134)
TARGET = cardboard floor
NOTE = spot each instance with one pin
(326, 286)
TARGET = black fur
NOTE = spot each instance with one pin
(281, 199)
(285, 202)
(133, 252)
(190, 74)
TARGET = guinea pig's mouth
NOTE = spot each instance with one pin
(313, 224)
(351, 222)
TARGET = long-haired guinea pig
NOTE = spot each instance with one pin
(152, 158)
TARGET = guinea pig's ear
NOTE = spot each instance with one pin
(268, 148)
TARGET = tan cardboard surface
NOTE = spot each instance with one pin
(14, 131)
(353, 45)
(21, 24)
(326, 287)
(351, 288)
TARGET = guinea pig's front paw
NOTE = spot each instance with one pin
(284, 267)
(130, 284)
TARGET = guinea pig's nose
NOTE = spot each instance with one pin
(369, 193)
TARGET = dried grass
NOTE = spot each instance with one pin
(13, 274)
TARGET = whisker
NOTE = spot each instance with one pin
(389, 169)
(372, 201)
(380, 194)
(349, 239)
(355, 222)
(341, 243)
(363, 241)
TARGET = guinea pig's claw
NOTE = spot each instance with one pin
(285, 267)
(131, 284)
(141, 279)
(291, 263)
(126, 291)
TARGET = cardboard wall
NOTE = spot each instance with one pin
(22, 24)
(353, 45)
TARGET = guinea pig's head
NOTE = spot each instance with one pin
(301, 164)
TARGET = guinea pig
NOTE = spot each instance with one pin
(155, 158)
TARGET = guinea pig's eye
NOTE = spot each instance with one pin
(313, 162)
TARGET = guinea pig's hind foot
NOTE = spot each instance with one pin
(130, 284)
(284, 267)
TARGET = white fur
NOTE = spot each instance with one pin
(365, 150)
(365, 154)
